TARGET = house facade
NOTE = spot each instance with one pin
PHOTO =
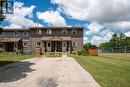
(47, 39)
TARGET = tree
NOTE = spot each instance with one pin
(2, 17)
(114, 41)
(89, 45)
(104, 45)
(122, 40)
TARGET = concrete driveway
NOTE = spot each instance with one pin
(46, 72)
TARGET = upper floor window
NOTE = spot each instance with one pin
(74, 31)
(38, 44)
(39, 31)
(16, 33)
(49, 31)
(64, 31)
(25, 33)
(74, 44)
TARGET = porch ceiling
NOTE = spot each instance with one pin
(4, 40)
(56, 38)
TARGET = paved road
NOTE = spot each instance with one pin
(46, 72)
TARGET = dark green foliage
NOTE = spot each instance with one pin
(88, 46)
(116, 41)
(83, 53)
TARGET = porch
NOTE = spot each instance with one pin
(57, 44)
(11, 44)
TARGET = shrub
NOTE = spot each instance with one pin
(2, 50)
(83, 53)
(74, 52)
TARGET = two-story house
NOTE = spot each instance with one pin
(49, 39)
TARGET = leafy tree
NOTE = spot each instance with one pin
(104, 45)
(89, 45)
(2, 17)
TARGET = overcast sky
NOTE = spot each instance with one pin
(100, 18)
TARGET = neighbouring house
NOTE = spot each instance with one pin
(49, 39)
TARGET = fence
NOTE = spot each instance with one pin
(115, 50)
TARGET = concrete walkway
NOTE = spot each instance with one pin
(46, 72)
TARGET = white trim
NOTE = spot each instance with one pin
(24, 33)
(75, 44)
(74, 30)
(16, 33)
(25, 45)
(64, 30)
(39, 31)
(49, 31)
(49, 48)
(64, 46)
(37, 44)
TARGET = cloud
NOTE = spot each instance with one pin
(94, 28)
(127, 34)
(53, 18)
(122, 26)
(21, 17)
(113, 14)
(102, 11)
(105, 36)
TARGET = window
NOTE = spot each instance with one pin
(39, 31)
(74, 31)
(1, 33)
(25, 33)
(74, 44)
(49, 31)
(1, 45)
(38, 44)
(64, 31)
(25, 44)
(16, 33)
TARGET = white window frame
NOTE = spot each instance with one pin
(25, 34)
(25, 45)
(49, 31)
(39, 31)
(16, 33)
(37, 44)
(75, 44)
(74, 30)
(64, 30)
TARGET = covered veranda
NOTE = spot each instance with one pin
(11, 44)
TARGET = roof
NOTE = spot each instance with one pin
(56, 28)
(26, 29)
(56, 38)
(10, 39)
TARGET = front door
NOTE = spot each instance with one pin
(49, 46)
(64, 46)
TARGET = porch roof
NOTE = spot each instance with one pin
(3, 40)
(56, 38)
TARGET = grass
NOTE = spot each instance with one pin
(7, 59)
(108, 72)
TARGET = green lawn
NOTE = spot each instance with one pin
(108, 72)
(6, 59)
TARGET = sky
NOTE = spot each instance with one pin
(100, 18)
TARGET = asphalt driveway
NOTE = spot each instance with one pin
(46, 72)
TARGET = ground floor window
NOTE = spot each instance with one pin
(38, 44)
(74, 44)
(25, 44)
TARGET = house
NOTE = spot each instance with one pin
(49, 39)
